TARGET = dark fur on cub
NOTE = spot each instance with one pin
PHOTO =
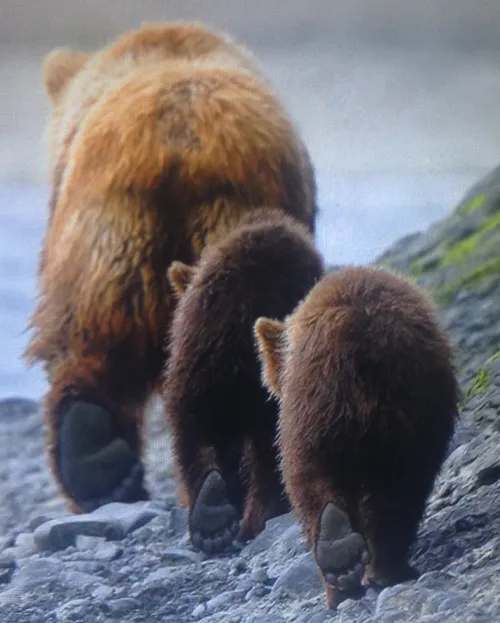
(223, 420)
(368, 401)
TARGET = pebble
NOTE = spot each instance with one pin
(121, 607)
(199, 611)
(260, 575)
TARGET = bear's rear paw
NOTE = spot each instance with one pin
(96, 465)
(213, 520)
(382, 578)
(340, 554)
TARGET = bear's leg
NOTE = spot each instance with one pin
(94, 438)
(209, 477)
(390, 520)
(213, 519)
(339, 550)
(266, 497)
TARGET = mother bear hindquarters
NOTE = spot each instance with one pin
(158, 144)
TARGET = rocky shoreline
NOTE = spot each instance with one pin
(133, 563)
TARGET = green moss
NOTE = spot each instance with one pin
(473, 205)
(457, 254)
(494, 357)
(426, 264)
(480, 383)
(473, 278)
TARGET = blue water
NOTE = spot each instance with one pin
(360, 216)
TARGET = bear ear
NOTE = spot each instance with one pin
(269, 335)
(59, 66)
(179, 276)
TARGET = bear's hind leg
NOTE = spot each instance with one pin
(341, 555)
(213, 519)
(338, 549)
(266, 497)
(390, 520)
(95, 437)
(208, 475)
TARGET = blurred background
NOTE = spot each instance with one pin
(398, 102)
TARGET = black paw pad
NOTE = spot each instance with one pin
(96, 465)
(340, 553)
(213, 520)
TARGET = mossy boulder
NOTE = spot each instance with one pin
(458, 261)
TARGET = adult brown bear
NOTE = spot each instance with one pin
(368, 401)
(158, 144)
(222, 419)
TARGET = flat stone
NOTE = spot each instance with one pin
(61, 533)
(129, 516)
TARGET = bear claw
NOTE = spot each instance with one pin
(213, 521)
(340, 554)
(96, 466)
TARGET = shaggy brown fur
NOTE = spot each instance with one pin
(158, 143)
(218, 409)
(368, 400)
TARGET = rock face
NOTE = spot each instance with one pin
(132, 563)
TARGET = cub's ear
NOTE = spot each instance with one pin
(179, 276)
(269, 335)
(59, 66)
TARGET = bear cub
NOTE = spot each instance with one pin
(222, 418)
(368, 402)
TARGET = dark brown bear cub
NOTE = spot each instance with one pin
(223, 419)
(368, 401)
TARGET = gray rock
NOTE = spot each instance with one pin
(260, 575)
(274, 529)
(71, 612)
(178, 521)
(220, 602)
(61, 533)
(18, 408)
(301, 579)
(177, 555)
(102, 593)
(7, 567)
(107, 552)
(118, 608)
(199, 611)
(35, 572)
(129, 516)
